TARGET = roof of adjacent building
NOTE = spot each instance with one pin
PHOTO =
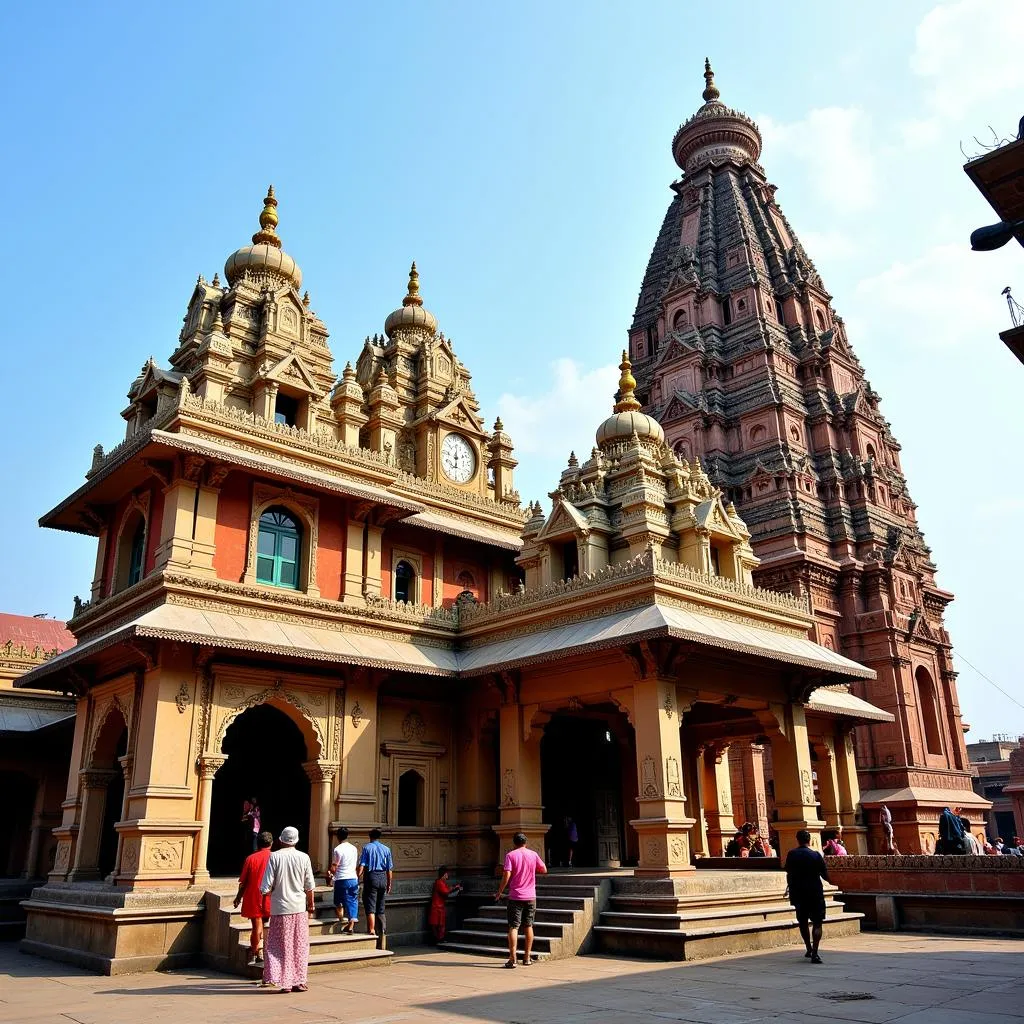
(30, 632)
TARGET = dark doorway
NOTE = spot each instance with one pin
(265, 751)
(113, 805)
(581, 778)
(19, 801)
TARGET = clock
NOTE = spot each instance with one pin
(458, 459)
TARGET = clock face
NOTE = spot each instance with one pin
(458, 460)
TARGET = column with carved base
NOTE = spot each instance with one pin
(792, 771)
(855, 835)
(206, 769)
(717, 795)
(93, 786)
(520, 728)
(662, 823)
(125, 761)
(321, 776)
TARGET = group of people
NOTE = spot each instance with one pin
(955, 838)
(748, 842)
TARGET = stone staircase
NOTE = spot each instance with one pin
(709, 913)
(567, 907)
(226, 939)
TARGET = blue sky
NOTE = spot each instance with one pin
(521, 155)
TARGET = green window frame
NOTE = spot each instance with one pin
(278, 547)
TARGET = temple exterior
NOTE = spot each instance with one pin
(740, 355)
(323, 591)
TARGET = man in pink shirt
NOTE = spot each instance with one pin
(521, 869)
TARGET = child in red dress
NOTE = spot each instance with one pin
(438, 916)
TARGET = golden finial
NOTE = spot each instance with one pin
(627, 383)
(711, 92)
(413, 297)
(268, 222)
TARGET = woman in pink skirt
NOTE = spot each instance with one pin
(289, 881)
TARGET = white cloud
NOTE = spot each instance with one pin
(548, 425)
(946, 297)
(832, 146)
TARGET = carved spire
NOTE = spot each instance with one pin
(268, 222)
(627, 382)
(711, 92)
(413, 298)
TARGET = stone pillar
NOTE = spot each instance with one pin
(357, 793)
(855, 835)
(36, 827)
(96, 591)
(321, 776)
(207, 768)
(662, 824)
(693, 789)
(204, 538)
(828, 783)
(792, 768)
(174, 551)
(373, 561)
(353, 580)
(520, 728)
(716, 795)
(93, 784)
(125, 761)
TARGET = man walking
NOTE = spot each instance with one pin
(377, 872)
(805, 868)
(289, 880)
(342, 874)
(520, 875)
(255, 906)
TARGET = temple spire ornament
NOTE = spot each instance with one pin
(267, 235)
(627, 384)
(711, 92)
(413, 297)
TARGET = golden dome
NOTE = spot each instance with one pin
(265, 253)
(627, 419)
(411, 313)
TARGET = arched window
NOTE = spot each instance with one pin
(929, 710)
(871, 453)
(680, 320)
(405, 582)
(465, 580)
(819, 319)
(131, 555)
(277, 549)
(410, 798)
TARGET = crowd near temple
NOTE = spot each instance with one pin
(317, 586)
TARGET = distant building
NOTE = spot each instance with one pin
(991, 762)
(36, 728)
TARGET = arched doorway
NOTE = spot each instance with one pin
(583, 758)
(111, 745)
(265, 752)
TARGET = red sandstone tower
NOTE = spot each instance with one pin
(738, 352)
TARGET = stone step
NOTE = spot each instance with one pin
(499, 927)
(499, 940)
(546, 914)
(321, 962)
(561, 889)
(699, 943)
(709, 917)
(473, 950)
(318, 926)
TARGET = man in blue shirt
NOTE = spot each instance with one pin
(805, 868)
(376, 871)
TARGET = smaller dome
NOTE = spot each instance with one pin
(411, 313)
(265, 253)
(627, 419)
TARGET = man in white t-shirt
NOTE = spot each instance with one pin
(346, 884)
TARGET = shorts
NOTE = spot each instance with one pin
(346, 894)
(810, 910)
(375, 889)
(521, 912)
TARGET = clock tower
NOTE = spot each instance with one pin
(421, 405)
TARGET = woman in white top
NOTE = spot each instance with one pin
(289, 880)
(346, 884)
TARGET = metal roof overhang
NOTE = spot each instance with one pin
(29, 719)
(469, 531)
(839, 702)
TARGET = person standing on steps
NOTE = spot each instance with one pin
(255, 906)
(346, 883)
(377, 873)
(289, 881)
(251, 821)
(805, 868)
(437, 917)
(521, 868)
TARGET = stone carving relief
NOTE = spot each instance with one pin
(356, 714)
(277, 692)
(508, 788)
(673, 777)
(650, 784)
(165, 855)
(63, 857)
(182, 698)
(411, 852)
(655, 850)
(678, 848)
(806, 787)
(413, 727)
(575, 704)
(233, 693)
(130, 858)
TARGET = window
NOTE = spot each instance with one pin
(277, 549)
(286, 410)
(780, 314)
(819, 319)
(929, 710)
(570, 561)
(410, 798)
(405, 582)
(726, 312)
(137, 553)
(716, 568)
(680, 320)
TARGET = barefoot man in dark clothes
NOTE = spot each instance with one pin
(805, 868)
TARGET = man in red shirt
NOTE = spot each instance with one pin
(520, 875)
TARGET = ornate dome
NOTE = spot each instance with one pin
(265, 253)
(627, 419)
(715, 133)
(411, 313)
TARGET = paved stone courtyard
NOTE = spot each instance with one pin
(912, 979)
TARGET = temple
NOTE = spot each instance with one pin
(323, 591)
(740, 355)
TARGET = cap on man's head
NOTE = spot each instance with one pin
(289, 836)
(519, 839)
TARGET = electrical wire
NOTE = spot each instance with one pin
(957, 654)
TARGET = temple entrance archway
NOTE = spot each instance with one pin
(19, 800)
(585, 759)
(265, 752)
(111, 746)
